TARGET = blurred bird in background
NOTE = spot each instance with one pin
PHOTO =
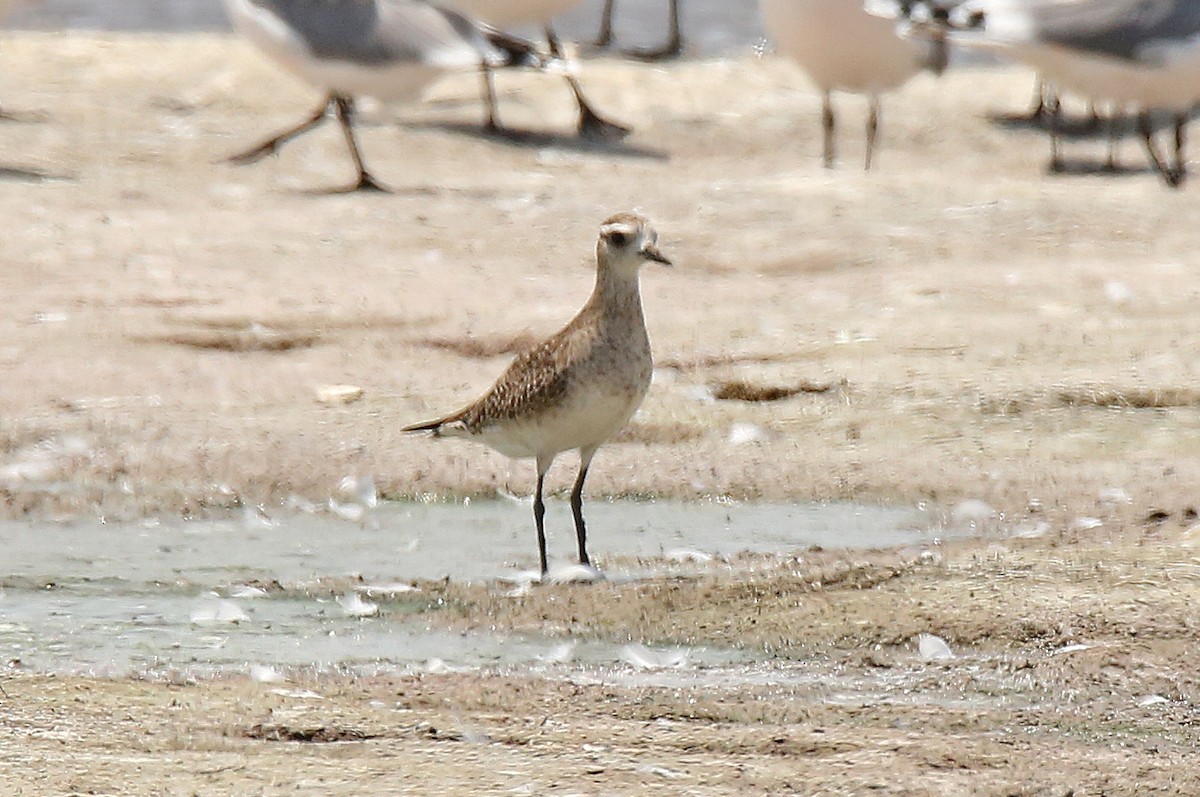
(387, 49)
(842, 47)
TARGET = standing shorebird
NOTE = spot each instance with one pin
(387, 49)
(580, 386)
(504, 14)
(844, 48)
(1142, 54)
(671, 49)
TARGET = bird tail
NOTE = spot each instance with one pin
(425, 426)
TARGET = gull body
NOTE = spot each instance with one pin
(505, 14)
(579, 387)
(1136, 52)
(377, 48)
(508, 13)
(1143, 54)
(672, 48)
(388, 49)
(843, 48)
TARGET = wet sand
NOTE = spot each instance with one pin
(954, 326)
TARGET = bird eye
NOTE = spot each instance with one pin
(618, 238)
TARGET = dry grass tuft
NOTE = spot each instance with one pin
(1091, 396)
(255, 338)
(736, 390)
(660, 433)
(277, 732)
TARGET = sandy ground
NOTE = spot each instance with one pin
(954, 326)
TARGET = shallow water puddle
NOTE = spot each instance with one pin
(161, 595)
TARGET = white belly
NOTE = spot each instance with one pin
(1170, 85)
(579, 423)
(399, 82)
(841, 46)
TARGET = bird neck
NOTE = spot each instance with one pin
(617, 294)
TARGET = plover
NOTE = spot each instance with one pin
(505, 14)
(387, 49)
(1141, 54)
(581, 385)
(672, 48)
(844, 48)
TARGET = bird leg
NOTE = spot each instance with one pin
(1054, 124)
(272, 145)
(585, 459)
(872, 130)
(674, 45)
(345, 115)
(591, 124)
(1147, 131)
(675, 41)
(1115, 120)
(539, 519)
(1181, 121)
(606, 30)
(829, 122)
(492, 123)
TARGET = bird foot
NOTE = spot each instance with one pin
(255, 154)
(665, 53)
(365, 183)
(596, 128)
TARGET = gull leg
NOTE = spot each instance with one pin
(492, 123)
(1181, 121)
(1054, 123)
(674, 45)
(872, 130)
(1115, 120)
(345, 115)
(606, 31)
(829, 124)
(591, 124)
(272, 145)
(585, 460)
(1147, 131)
(675, 42)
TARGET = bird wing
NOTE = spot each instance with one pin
(534, 380)
(1133, 30)
(374, 32)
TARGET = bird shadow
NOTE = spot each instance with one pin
(410, 191)
(23, 175)
(1092, 168)
(1082, 126)
(522, 138)
(24, 117)
(1068, 126)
